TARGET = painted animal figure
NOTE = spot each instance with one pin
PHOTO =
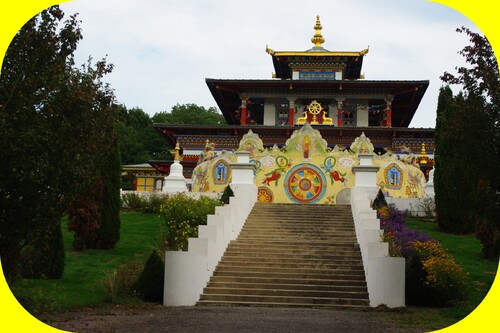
(275, 176)
(336, 176)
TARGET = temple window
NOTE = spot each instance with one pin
(349, 116)
(282, 114)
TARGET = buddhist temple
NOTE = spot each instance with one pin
(317, 89)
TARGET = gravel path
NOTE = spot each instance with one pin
(151, 319)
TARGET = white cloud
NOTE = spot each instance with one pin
(164, 50)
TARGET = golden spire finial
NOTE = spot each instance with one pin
(318, 38)
(177, 156)
(423, 155)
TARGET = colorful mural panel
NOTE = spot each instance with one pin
(305, 170)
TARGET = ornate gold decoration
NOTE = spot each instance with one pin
(177, 156)
(423, 158)
(314, 108)
(318, 38)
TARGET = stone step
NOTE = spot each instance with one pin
(288, 280)
(306, 217)
(351, 288)
(344, 243)
(249, 260)
(281, 305)
(300, 255)
(278, 265)
(292, 275)
(298, 226)
(285, 292)
(284, 300)
(288, 270)
(297, 239)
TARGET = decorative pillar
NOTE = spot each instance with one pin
(243, 115)
(291, 111)
(339, 111)
(243, 169)
(388, 112)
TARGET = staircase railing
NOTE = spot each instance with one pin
(385, 275)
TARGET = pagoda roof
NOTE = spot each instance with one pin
(317, 56)
(282, 61)
(406, 94)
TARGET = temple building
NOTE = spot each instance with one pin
(321, 88)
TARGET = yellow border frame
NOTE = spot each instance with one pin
(14, 13)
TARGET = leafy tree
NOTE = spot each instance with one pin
(51, 118)
(463, 131)
(139, 142)
(190, 114)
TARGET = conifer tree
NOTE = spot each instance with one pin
(467, 147)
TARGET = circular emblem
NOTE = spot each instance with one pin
(264, 194)
(305, 183)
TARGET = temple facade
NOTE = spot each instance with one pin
(323, 89)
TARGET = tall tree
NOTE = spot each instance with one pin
(51, 118)
(139, 142)
(474, 125)
(190, 114)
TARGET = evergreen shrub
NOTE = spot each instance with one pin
(228, 192)
(151, 281)
(379, 201)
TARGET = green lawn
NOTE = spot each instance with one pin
(466, 249)
(84, 272)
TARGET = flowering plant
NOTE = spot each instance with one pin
(183, 215)
(436, 279)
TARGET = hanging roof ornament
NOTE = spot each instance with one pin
(318, 38)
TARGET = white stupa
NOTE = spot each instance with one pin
(175, 181)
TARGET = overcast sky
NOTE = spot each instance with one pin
(163, 50)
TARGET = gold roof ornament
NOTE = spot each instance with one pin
(423, 158)
(318, 38)
(177, 156)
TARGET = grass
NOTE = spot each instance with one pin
(85, 272)
(466, 250)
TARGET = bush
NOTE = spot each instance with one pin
(399, 237)
(228, 192)
(433, 276)
(153, 202)
(121, 282)
(183, 215)
(151, 282)
(379, 201)
(132, 200)
(43, 257)
(149, 203)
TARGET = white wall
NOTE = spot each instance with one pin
(414, 206)
(385, 276)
